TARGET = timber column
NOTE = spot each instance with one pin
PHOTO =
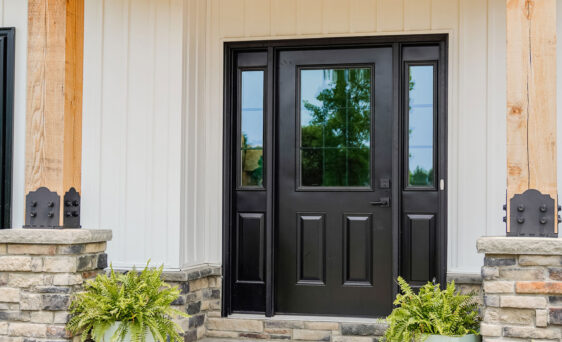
(532, 198)
(54, 113)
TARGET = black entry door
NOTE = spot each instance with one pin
(334, 173)
(335, 132)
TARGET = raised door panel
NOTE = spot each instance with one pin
(418, 248)
(250, 248)
(358, 249)
(311, 235)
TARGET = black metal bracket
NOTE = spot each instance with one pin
(42, 209)
(532, 214)
(72, 209)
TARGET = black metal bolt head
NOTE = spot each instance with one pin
(75, 214)
(521, 208)
(543, 208)
(543, 220)
(50, 204)
(67, 203)
(33, 203)
(51, 214)
(520, 220)
(76, 203)
(504, 207)
(505, 219)
(68, 214)
(33, 214)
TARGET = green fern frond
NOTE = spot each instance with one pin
(431, 311)
(140, 301)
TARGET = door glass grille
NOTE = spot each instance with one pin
(335, 127)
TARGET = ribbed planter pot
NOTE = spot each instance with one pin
(114, 327)
(467, 338)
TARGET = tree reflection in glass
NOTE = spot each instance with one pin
(335, 119)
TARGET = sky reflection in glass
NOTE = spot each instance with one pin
(420, 133)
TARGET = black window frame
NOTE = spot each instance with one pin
(239, 185)
(7, 76)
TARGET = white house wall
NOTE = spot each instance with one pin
(132, 139)
(13, 13)
(152, 126)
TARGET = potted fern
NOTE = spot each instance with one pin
(433, 315)
(126, 307)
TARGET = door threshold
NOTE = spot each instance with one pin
(311, 318)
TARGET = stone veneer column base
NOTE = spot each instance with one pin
(201, 297)
(200, 294)
(40, 269)
(522, 283)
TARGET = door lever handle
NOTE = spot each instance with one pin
(383, 202)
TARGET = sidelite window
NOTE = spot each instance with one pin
(420, 126)
(335, 127)
(251, 137)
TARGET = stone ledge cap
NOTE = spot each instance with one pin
(54, 236)
(519, 245)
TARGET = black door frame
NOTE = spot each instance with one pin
(7, 60)
(229, 144)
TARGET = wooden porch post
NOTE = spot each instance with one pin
(54, 112)
(531, 116)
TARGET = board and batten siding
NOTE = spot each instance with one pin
(152, 140)
(132, 138)
(13, 13)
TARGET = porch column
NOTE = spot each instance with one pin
(54, 113)
(531, 118)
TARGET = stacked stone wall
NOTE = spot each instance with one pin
(39, 273)
(200, 294)
(522, 291)
(320, 329)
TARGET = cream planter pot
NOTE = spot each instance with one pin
(114, 327)
(467, 338)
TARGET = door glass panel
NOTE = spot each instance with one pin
(420, 126)
(251, 144)
(335, 127)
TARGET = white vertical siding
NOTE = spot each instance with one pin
(132, 127)
(13, 13)
(471, 170)
(153, 112)
(194, 189)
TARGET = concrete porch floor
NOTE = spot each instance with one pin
(247, 327)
